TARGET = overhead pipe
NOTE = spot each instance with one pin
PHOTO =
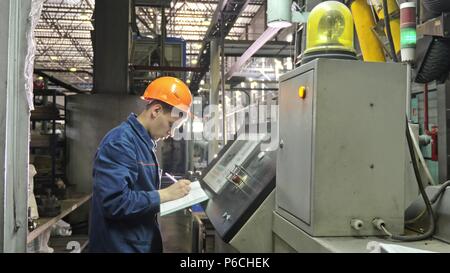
(394, 23)
(371, 48)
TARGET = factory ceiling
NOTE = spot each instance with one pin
(63, 34)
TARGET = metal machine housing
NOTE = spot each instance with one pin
(342, 147)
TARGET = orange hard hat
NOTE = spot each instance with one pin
(171, 91)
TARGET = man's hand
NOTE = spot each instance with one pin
(175, 191)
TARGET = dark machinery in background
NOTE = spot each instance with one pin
(152, 53)
(146, 54)
(433, 44)
(432, 65)
(152, 56)
(149, 54)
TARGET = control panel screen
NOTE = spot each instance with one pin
(216, 178)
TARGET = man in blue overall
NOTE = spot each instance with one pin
(126, 191)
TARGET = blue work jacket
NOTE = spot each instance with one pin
(125, 200)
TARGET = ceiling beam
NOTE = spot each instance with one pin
(62, 71)
(68, 35)
(231, 10)
(59, 82)
(167, 68)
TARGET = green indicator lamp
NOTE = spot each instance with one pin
(408, 36)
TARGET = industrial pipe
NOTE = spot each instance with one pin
(394, 22)
(387, 23)
(371, 48)
(433, 133)
(425, 109)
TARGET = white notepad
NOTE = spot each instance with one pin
(196, 195)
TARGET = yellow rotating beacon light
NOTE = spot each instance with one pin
(329, 32)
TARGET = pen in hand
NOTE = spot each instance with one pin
(177, 189)
(171, 178)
